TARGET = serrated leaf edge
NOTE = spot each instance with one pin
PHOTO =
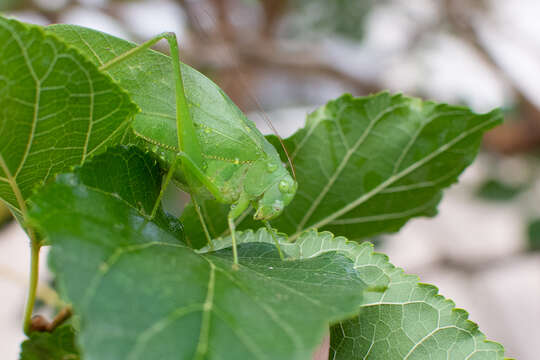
(363, 255)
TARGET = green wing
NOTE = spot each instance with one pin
(225, 133)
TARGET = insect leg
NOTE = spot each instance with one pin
(273, 234)
(236, 210)
(196, 171)
(164, 185)
(203, 223)
(187, 136)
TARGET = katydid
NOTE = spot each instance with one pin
(231, 162)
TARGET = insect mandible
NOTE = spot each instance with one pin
(230, 161)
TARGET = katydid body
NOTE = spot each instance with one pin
(213, 157)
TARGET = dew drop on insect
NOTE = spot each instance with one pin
(271, 167)
(284, 186)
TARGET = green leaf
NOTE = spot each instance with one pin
(337, 17)
(533, 232)
(367, 165)
(58, 345)
(400, 318)
(496, 190)
(409, 320)
(141, 294)
(56, 110)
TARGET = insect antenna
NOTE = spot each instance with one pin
(250, 94)
(269, 123)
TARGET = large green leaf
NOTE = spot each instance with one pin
(403, 320)
(141, 294)
(56, 110)
(367, 165)
(58, 345)
(409, 320)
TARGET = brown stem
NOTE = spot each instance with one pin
(39, 323)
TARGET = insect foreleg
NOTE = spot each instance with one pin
(273, 234)
(236, 210)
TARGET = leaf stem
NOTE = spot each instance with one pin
(32, 287)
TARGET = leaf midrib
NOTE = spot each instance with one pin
(207, 306)
(343, 164)
(360, 200)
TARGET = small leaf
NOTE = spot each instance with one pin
(141, 294)
(56, 110)
(58, 345)
(496, 190)
(533, 232)
(367, 165)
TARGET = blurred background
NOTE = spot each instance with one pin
(284, 58)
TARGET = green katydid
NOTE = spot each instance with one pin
(231, 162)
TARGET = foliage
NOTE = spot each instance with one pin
(216, 311)
(386, 160)
(533, 232)
(364, 165)
(342, 17)
(5, 215)
(43, 84)
(60, 344)
(496, 190)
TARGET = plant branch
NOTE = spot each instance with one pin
(39, 323)
(274, 11)
(510, 137)
(224, 27)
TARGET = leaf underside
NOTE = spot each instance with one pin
(366, 166)
(107, 254)
(56, 110)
